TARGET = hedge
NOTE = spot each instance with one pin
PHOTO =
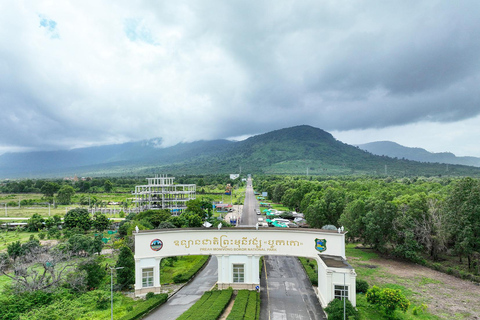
(184, 277)
(240, 305)
(310, 270)
(246, 306)
(146, 306)
(209, 307)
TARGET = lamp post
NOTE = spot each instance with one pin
(111, 288)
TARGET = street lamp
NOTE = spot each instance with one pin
(111, 288)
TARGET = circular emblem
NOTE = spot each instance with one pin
(156, 245)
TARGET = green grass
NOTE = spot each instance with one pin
(183, 265)
(279, 207)
(12, 236)
(366, 269)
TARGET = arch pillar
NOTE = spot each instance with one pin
(247, 265)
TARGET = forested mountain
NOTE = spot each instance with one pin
(296, 150)
(395, 150)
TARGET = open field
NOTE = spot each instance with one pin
(447, 297)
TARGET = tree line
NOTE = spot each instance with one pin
(413, 219)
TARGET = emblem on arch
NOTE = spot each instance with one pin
(321, 244)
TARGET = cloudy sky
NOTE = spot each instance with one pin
(82, 73)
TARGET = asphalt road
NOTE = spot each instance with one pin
(249, 217)
(189, 294)
(286, 291)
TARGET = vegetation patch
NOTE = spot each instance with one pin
(310, 266)
(209, 307)
(246, 306)
(146, 306)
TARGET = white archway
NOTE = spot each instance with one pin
(238, 251)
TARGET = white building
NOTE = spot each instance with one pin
(161, 193)
(238, 251)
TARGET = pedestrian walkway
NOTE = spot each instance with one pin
(189, 294)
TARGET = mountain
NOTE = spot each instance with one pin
(297, 150)
(395, 150)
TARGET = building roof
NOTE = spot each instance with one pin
(335, 261)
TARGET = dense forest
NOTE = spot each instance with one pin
(418, 219)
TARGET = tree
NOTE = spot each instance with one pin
(42, 268)
(49, 189)
(15, 250)
(35, 223)
(125, 276)
(463, 207)
(100, 222)
(108, 186)
(83, 245)
(95, 272)
(65, 194)
(77, 218)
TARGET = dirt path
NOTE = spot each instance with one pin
(446, 296)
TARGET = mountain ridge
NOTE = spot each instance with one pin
(295, 150)
(395, 150)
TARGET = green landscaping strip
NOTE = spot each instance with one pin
(209, 307)
(146, 306)
(246, 306)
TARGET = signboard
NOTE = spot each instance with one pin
(304, 242)
(265, 194)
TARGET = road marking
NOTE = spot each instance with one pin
(266, 284)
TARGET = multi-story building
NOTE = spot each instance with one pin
(161, 193)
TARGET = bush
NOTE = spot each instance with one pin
(103, 301)
(361, 286)
(335, 310)
(149, 295)
(389, 299)
(145, 307)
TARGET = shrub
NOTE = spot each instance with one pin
(310, 270)
(103, 301)
(361, 286)
(145, 307)
(41, 235)
(389, 299)
(149, 295)
(335, 310)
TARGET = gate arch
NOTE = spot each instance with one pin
(238, 251)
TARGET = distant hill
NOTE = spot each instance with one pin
(395, 150)
(296, 150)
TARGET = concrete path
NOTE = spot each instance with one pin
(189, 294)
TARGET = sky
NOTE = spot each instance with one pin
(87, 73)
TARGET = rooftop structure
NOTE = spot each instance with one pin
(161, 193)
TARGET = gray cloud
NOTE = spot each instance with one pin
(94, 73)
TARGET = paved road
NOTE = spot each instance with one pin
(189, 294)
(286, 291)
(249, 217)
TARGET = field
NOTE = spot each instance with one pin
(446, 297)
